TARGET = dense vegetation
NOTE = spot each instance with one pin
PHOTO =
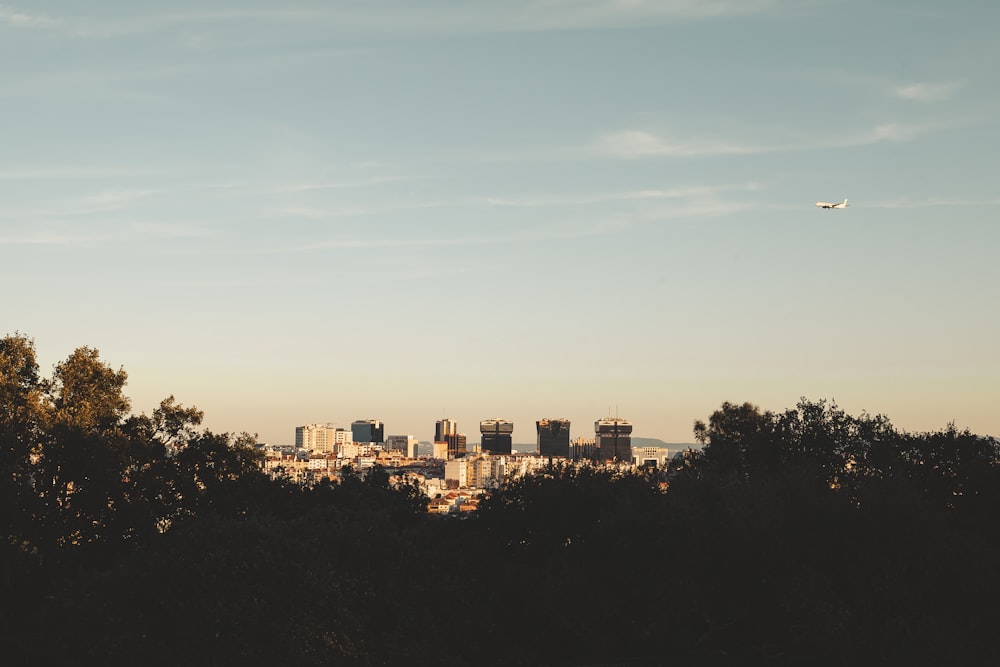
(803, 536)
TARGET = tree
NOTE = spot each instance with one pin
(212, 469)
(80, 471)
(87, 394)
(21, 407)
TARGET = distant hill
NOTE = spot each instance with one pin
(656, 442)
(426, 448)
(528, 448)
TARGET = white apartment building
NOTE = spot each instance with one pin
(321, 438)
(352, 450)
(456, 474)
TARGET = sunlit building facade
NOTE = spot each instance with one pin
(318, 438)
(446, 431)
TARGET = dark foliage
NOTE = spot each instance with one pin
(808, 536)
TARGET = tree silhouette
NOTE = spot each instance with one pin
(807, 535)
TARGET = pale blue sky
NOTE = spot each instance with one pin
(296, 212)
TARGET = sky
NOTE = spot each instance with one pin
(302, 212)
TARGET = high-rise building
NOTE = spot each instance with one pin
(553, 437)
(315, 438)
(446, 430)
(614, 439)
(443, 428)
(406, 444)
(457, 445)
(368, 430)
(496, 435)
(321, 438)
(581, 449)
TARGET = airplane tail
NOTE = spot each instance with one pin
(845, 201)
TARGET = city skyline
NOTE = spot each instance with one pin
(287, 213)
(560, 428)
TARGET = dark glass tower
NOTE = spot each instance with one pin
(368, 430)
(496, 435)
(614, 439)
(553, 437)
(446, 430)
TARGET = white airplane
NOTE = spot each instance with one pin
(826, 204)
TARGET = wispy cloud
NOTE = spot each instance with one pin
(568, 14)
(931, 202)
(64, 231)
(576, 229)
(640, 143)
(124, 24)
(51, 238)
(173, 230)
(631, 195)
(928, 91)
(114, 199)
(90, 82)
(665, 204)
(71, 173)
(314, 213)
(635, 144)
(336, 185)
(429, 17)
(106, 201)
(18, 19)
(561, 200)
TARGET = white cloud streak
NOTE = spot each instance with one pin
(71, 173)
(634, 195)
(336, 185)
(582, 14)
(639, 144)
(449, 18)
(636, 144)
(928, 91)
(908, 204)
(561, 232)
(168, 230)
(17, 19)
(533, 201)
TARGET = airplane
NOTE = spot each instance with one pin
(826, 204)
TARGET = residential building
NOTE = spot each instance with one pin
(456, 474)
(320, 438)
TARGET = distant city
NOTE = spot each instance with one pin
(450, 470)
(611, 441)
